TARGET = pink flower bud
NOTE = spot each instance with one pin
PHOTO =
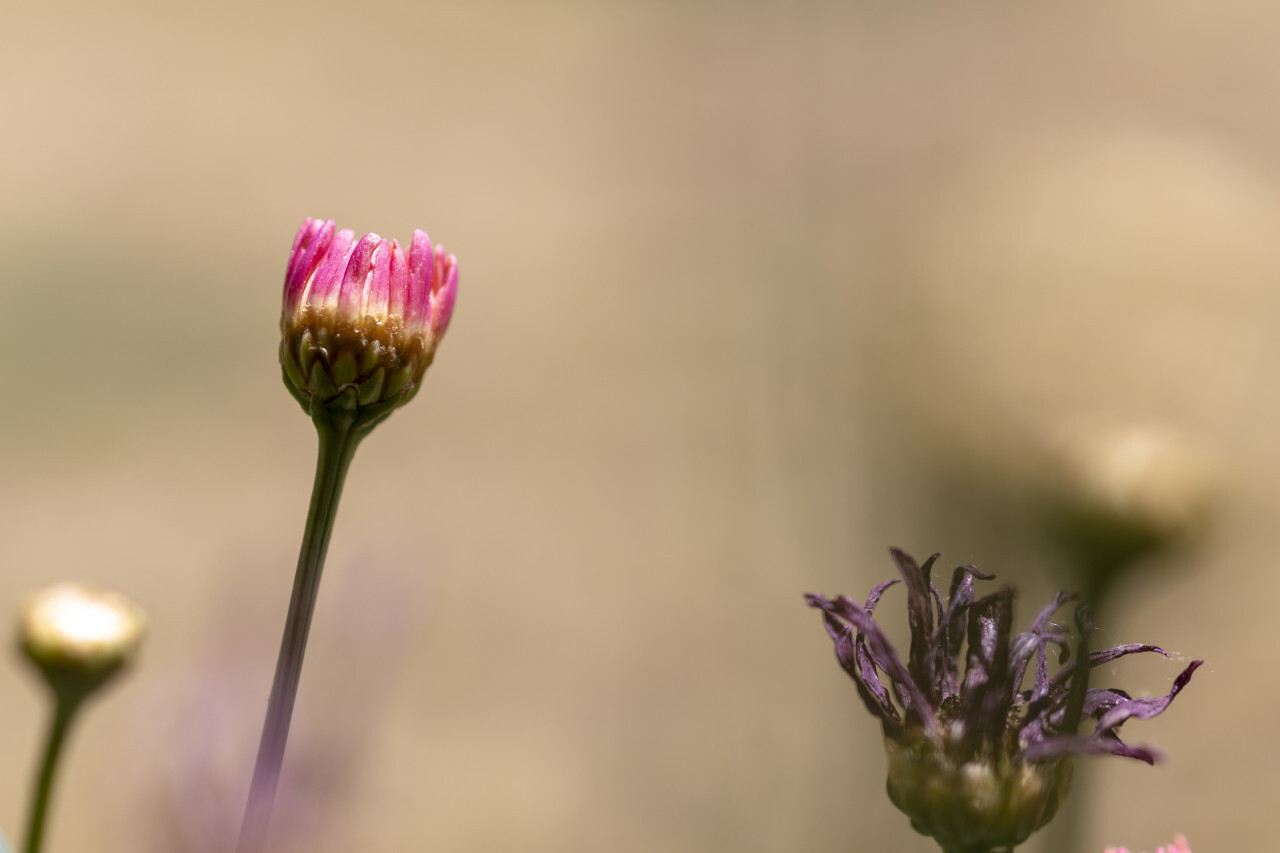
(361, 320)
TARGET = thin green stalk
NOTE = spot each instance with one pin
(336, 449)
(64, 711)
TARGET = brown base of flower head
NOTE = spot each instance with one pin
(364, 369)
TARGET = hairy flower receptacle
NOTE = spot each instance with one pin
(361, 321)
(977, 806)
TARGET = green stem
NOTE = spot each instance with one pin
(337, 447)
(64, 712)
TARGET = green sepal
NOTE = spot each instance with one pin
(293, 375)
(370, 357)
(371, 388)
(298, 394)
(410, 392)
(321, 385)
(347, 401)
(343, 371)
(306, 352)
(397, 380)
(371, 416)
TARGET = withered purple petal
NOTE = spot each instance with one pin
(866, 666)
(986, 696)
(853, 659)
(1067, 746)
(870, 689)
(1042, 631)
(1099, 700)
(1041, 685)
(882, 653)
(1145, 709)
(873, 598)
(1101, 656)
(949, 635)
(919, 617)
(846, 609)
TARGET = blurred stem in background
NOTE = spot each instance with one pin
(1117, 496)
(337, 447)
(1066, 831)
(79, 638)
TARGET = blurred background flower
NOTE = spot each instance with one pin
(197, 760)
(1179, 845)
(754, 290)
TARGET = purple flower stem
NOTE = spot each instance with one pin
(337, 446)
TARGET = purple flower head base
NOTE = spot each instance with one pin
(977, 760)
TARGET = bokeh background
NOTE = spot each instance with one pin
(749, 292)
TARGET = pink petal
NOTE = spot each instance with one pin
(355, 280)
(309, 246)
(323, 289)
(421, 280)
(445, 292)
(399, 282)
(375, 300)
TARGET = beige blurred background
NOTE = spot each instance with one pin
(749, 292)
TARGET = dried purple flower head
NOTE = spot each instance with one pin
(362, 319)
(977, 762)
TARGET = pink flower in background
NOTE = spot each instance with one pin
(1179, 845)
(362, 318)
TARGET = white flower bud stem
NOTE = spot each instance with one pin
(64, 711)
